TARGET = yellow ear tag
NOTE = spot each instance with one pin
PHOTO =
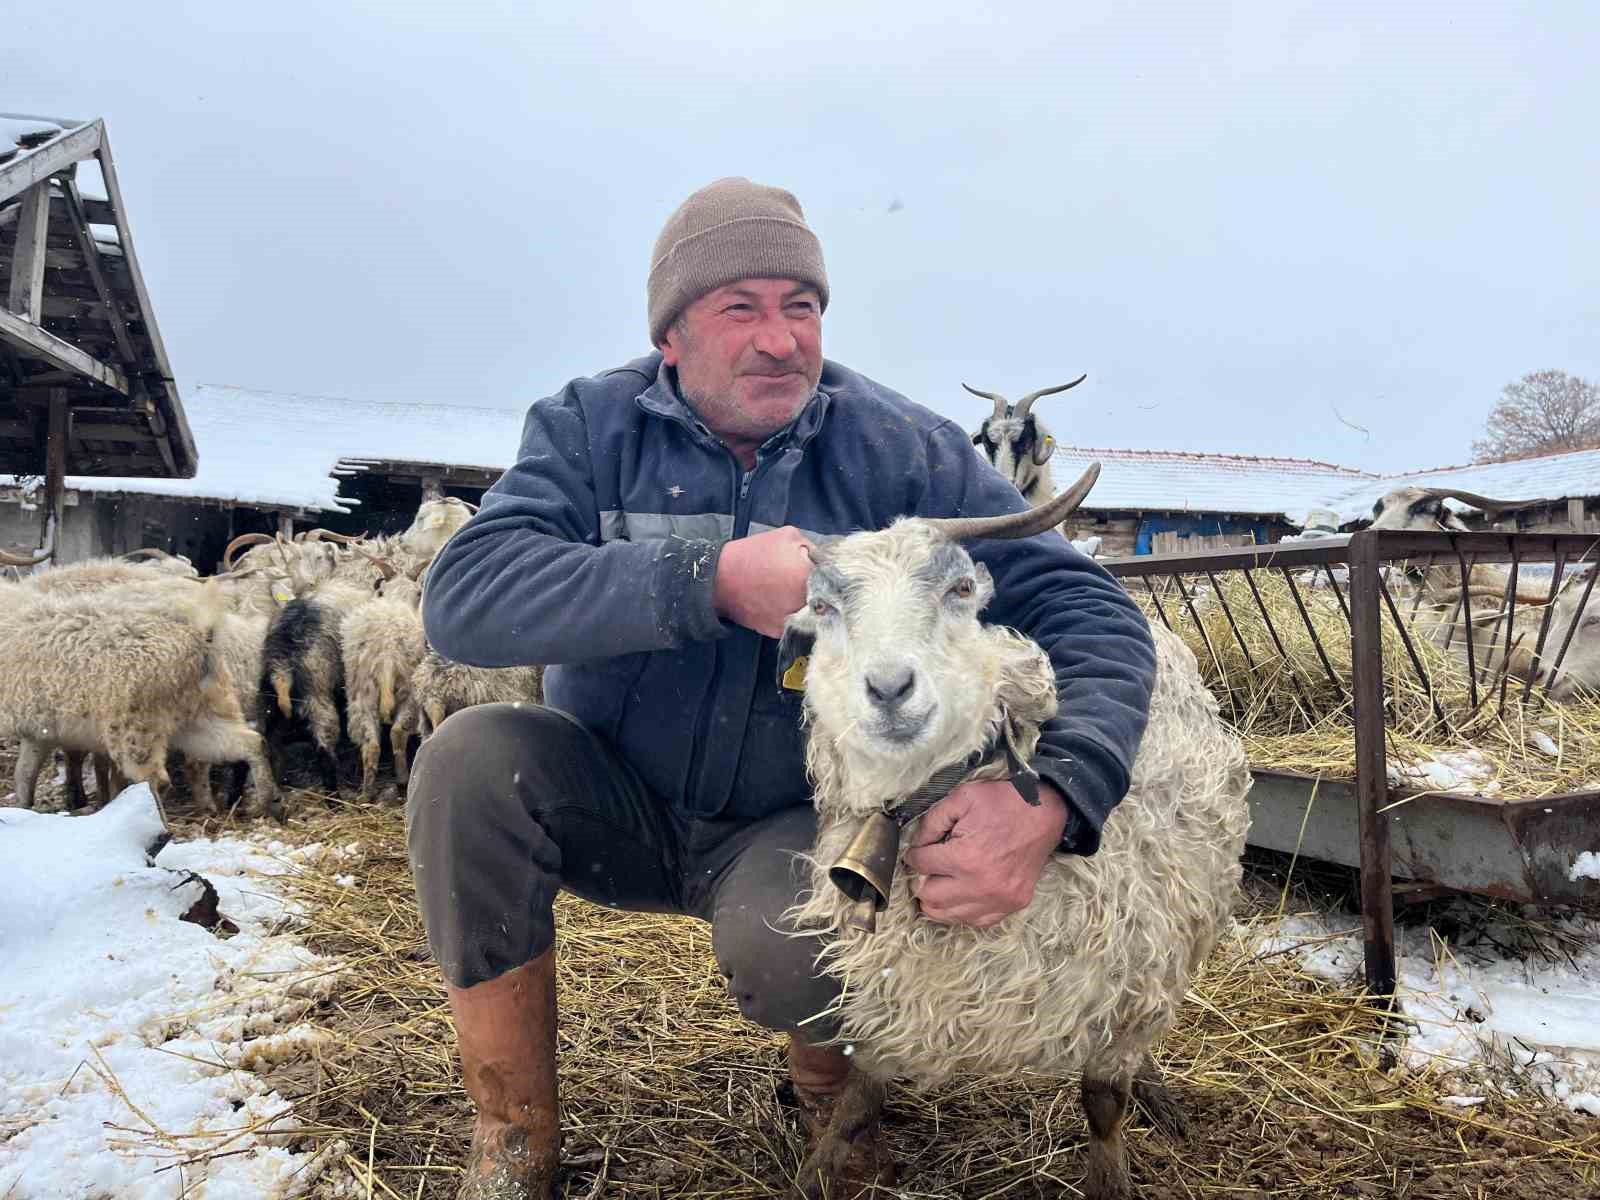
(282, 593)
(794, 679)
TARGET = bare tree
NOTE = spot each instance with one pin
(1544, 412)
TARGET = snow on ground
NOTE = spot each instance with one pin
(125, 1032)
(1475, 1009)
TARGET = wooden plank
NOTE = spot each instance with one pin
(28, 256)
(39, 344)
(91, 260)
(101, 431)
(37, 165)
(55, 474)
(179, 436)
(1575, 513)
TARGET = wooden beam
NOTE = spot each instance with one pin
(37, 165)
(107, 432)
(58, 352)
(28, 258)
(179, 435)
(158, 425)
(1575, 513)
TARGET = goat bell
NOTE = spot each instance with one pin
(865, 871)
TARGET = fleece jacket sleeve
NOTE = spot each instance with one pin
(1096, 637)
(528, 581)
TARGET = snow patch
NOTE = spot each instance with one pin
(128, 1034)
(1585, 866)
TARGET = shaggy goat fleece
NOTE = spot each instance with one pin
(127, 670)
(1091, 973)
(440, 687)
(382, 643)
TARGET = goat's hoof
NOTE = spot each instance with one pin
(1162, 1107)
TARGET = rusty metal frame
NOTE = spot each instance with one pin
(1369, 556)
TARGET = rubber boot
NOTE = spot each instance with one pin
(506, 1029)
(842, 1111)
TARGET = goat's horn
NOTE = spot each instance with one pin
(239, 543)
(385, 567)
(1477, 501)
(1026, 403)
(146, 552)
(471, 506)
(999, 400)
(18, 560)
(1022, 524)
(328, 535)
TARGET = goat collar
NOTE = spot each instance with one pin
(947, 778)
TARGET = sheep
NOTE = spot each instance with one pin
(1016, 443)
(382, 644)
(123, 670)
(440, 687)
(1091, 973)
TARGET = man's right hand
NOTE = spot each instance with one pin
(761, 579)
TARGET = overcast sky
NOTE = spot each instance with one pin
(1256, 226)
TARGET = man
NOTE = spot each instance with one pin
(651, 539)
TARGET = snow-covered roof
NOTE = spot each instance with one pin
(279, 450)
(1550, 477)
(1178, 481)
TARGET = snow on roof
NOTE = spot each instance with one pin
(276, 449)
(1548, 477)
(1179, 481)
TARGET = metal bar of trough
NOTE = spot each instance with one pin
(1322, 654)
(1544, 626)
(1372, 780)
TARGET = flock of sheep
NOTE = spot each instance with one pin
(128, 659)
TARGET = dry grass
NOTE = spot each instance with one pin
(1293, 710)
(668, 1092)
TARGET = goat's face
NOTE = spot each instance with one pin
(1580, 667)
(1416, 510)
(891, 628)
(1017, 447)
(435, 521)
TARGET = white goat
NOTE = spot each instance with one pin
(382, 646)
(1092, 972)
(1016, 443)
(440, 687)
(127, 671)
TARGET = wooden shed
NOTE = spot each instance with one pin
(85, 385)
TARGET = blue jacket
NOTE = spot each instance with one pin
(596, 554)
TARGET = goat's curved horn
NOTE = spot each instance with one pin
(471, 507)
(1022, 524)
(328, 535)
(1477, 501)
(23, 560)
(1000, 401)
(1026, 402)
(239, 543)
(385, 567)
(146, 552)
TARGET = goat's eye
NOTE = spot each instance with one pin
(962, 588)
(821, 608)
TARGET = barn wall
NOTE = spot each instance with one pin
(77, 539)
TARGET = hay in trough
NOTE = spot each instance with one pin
(1289, 694)
(668, 1092)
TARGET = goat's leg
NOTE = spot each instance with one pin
(199, 774)
(102, 777)
(219, 739)
(75, 797)
(1165, 1113)
(400, 742)
(323, 717)
(31, 757)
(857, 1110)
(1105, 1104)
(366, 734)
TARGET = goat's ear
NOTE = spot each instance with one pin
(799, 636)
(1043, 448)
(985, 582)
(978, 438)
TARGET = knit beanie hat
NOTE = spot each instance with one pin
(731, 229)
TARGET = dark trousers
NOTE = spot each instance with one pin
(509, 802)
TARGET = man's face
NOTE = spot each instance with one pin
(748, 356)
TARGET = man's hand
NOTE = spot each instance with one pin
(979, 851)
(762, 579)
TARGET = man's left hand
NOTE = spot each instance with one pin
(979, 852)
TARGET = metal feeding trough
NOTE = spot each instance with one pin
(1516, 848)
